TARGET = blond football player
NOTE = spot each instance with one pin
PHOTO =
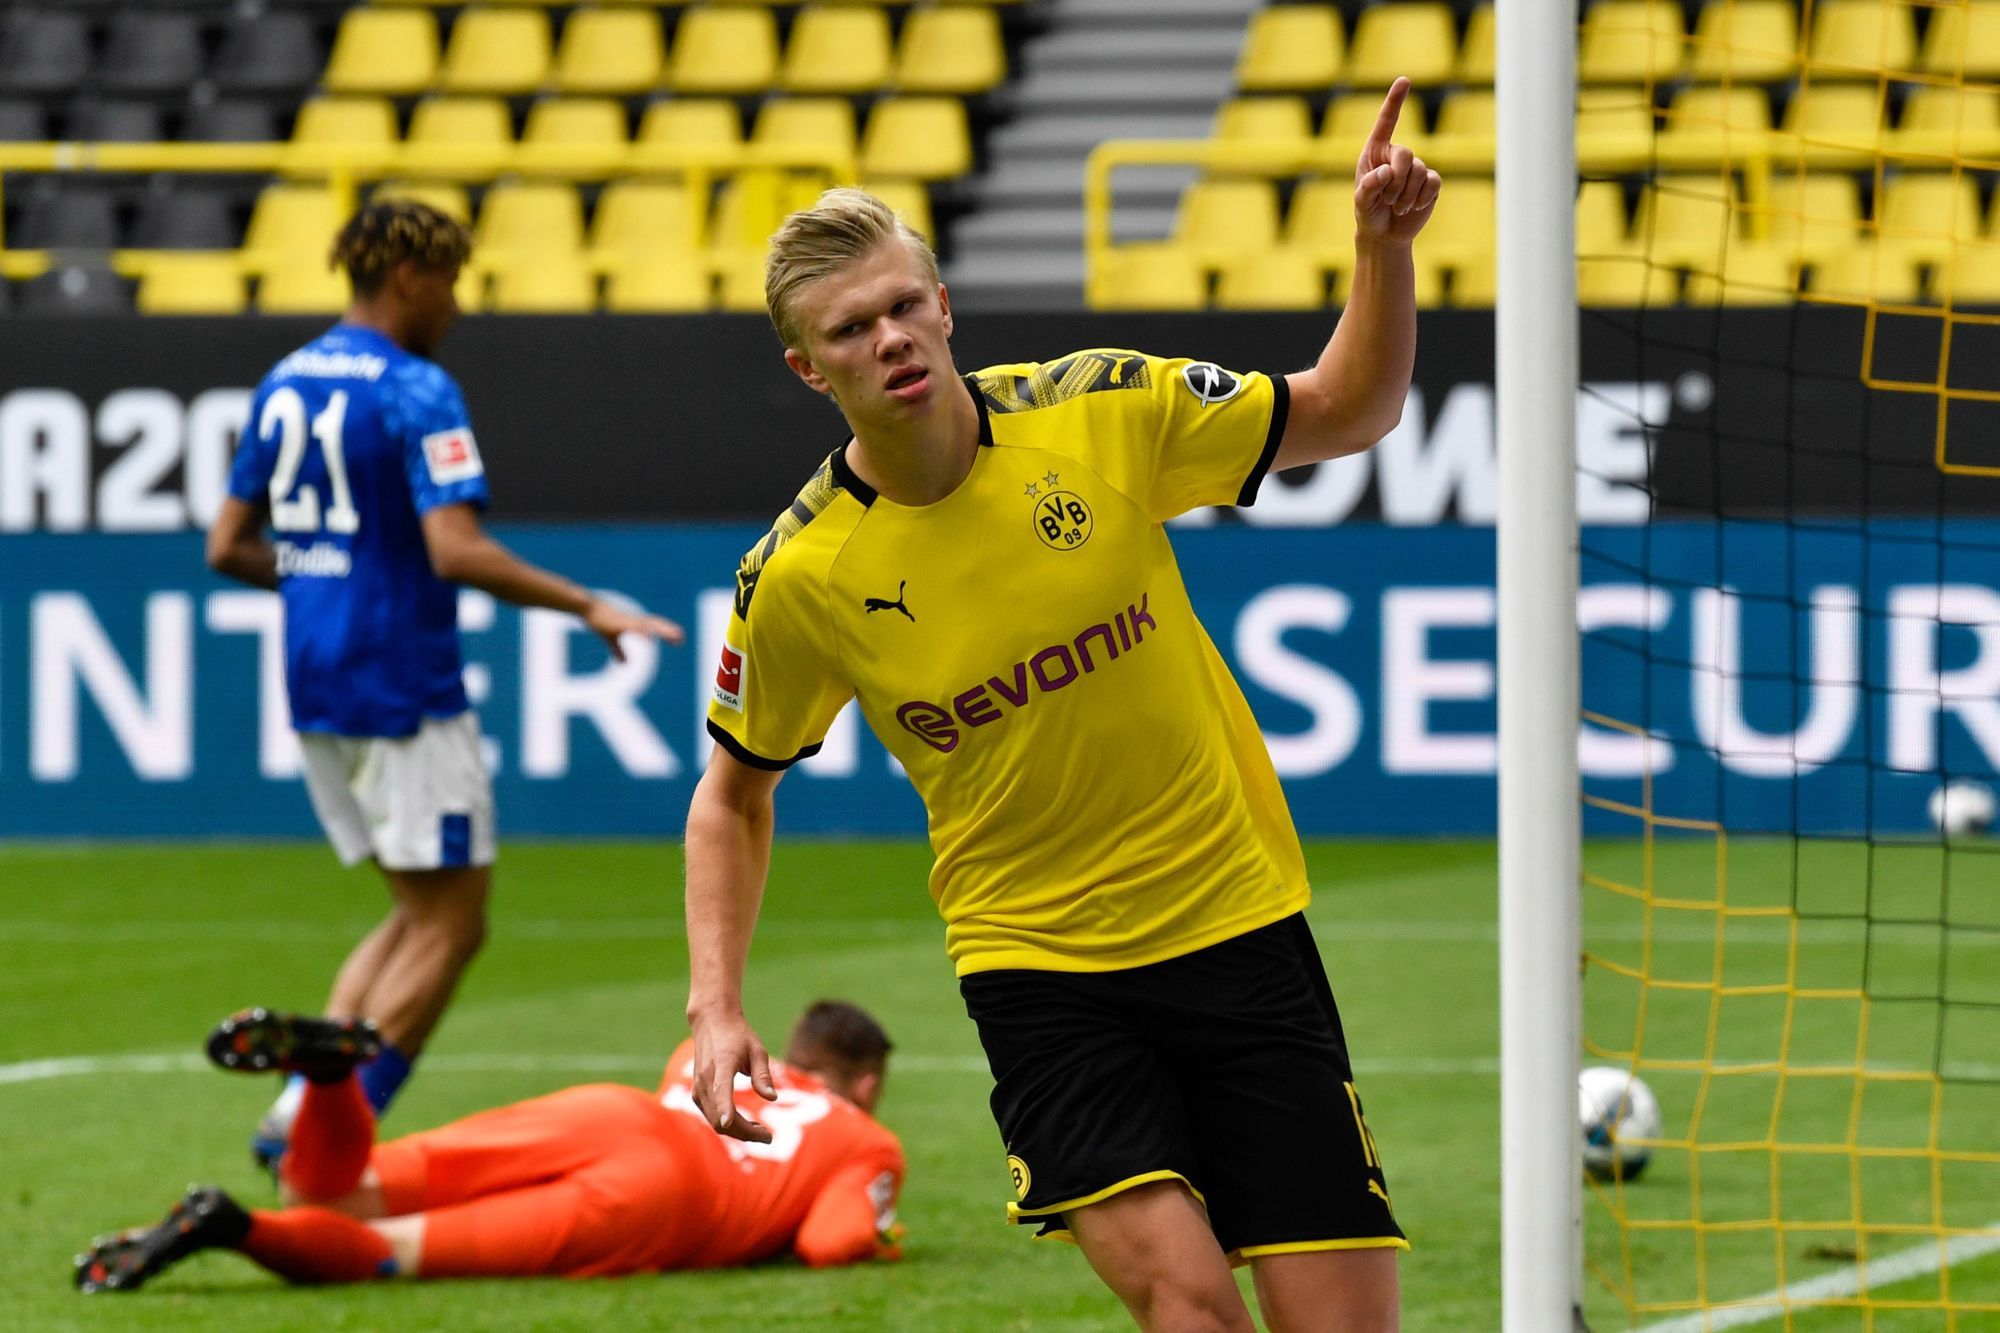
(983, 567)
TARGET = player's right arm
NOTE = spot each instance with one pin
(238, 547)
(728, 855)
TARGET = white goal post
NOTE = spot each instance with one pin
(1535, 331)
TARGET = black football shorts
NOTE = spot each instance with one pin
(1225, 1068)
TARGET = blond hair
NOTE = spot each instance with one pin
(385, 233)
(842, 226)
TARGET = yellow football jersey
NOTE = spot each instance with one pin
(1099, 793)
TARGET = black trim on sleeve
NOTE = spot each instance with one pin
(985, 418)
(735, 748)
(1281, 405)
(843, 477)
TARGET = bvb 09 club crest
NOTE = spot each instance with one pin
(1062, 520)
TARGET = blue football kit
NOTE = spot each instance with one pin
(350, 441)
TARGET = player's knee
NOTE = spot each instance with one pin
(1173, 1305)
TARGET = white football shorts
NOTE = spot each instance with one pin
(421, 802)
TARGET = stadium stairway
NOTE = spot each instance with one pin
(1101, 69)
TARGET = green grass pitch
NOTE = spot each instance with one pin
(115, 960)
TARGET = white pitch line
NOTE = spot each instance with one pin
(81, 1066)
(1898, 1267)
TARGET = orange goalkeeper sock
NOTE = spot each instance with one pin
(331, 1140)
(316, 1245)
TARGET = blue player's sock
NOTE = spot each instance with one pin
(267, 1145)
(382, 1078)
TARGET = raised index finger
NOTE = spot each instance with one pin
(1392, 110)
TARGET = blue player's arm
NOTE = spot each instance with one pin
(1354, 394)
(460, 551)
(238, 547)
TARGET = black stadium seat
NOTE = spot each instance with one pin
(57, 215)
(151, 53)
(232, 120)
(109, 120)
(43, 51)
(186, 216)
(269, 53)
(76, 289)
(22, 120)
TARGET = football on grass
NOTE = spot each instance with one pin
(1619, 1114)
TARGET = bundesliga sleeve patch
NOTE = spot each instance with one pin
(729, 679)
(1211, 383)
(452, 456)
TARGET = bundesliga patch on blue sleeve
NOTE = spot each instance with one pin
(452, 456)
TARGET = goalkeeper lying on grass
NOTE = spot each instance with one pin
(596, 1180)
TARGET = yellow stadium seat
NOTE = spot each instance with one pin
(616, 50)
(544, 285)
(1926, 214)
(909, 200)
(1717, 124)
(1280, 120)
(192, 285)
(496, 51)
(448, 199)
(1475, 54)
(1148, 277)
(692, 122)
(1221, 220)
(1964, 40)
(1291, 48)
(1429, 281)
(1860, 39)
(1815, 216)
(529, 217)
(379, 50)
(724, 51)
(1746, 41)
(1867, 275)
(923, 138)
(1600, 219)
(837, 49)
(1950, 123)
(367, 122)
(1470, 114)
(1972, 277)
(1414, 37)
(1623, 282)
(1686, 220)
(1351, 117)
(814, 122)
(740, 283)
(1614, 113)
(646, 217)
(1837, 124)
(559, 128)
(672, 284)
(1631, 41)
(458, 138)
(1751, 274)
(956, 51)
(470, 290)
(292, 220)
(1320, 222)
(1271, 280)
(1461, 227)
(1475, 284)
(748, 208)
(331, 123)
(305, 286)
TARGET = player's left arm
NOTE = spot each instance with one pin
(853, 1218)
(1354, 395)
(461, 551)
(238, 546)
